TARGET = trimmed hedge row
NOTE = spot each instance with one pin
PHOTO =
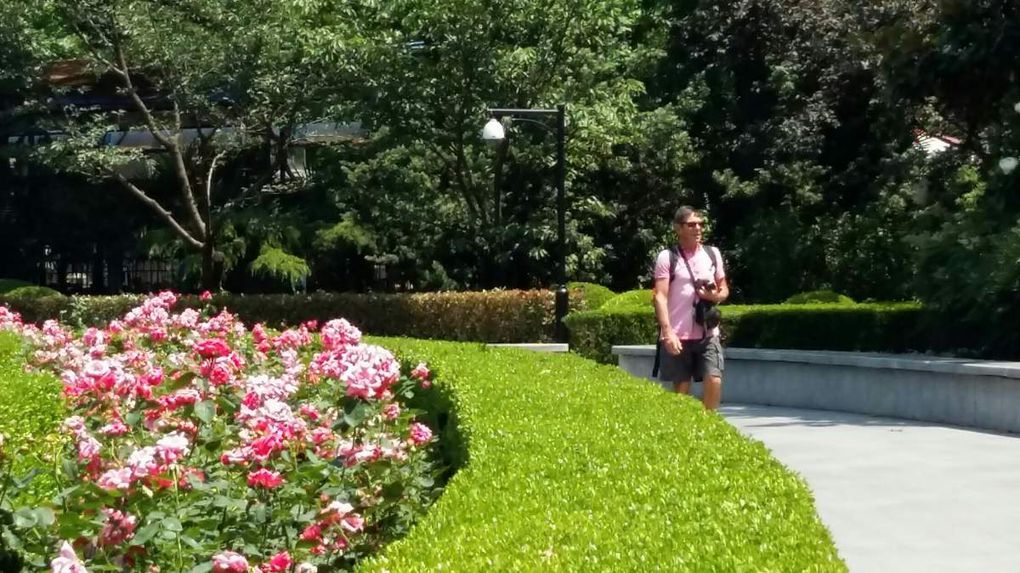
(7, 285)
(820, 297)
(594, 295)
(575, 466)
(876, 327)
(485, 316)
(30, 412)
(571, 466)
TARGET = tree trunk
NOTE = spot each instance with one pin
(212, 268)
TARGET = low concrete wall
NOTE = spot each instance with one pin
(981, 394)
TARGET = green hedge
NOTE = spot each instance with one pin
(820, 297)
(486, 316)
(7, 285)
(575, 466)
(32, 291)
(30, 412)
(877, 327)
(594, 295)
(632, 299)
(571, 466)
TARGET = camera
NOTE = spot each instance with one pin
(705, 284)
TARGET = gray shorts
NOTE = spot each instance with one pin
(699, 358)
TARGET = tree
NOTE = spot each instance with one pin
(220, 88)
(432, 101)
(956, 64)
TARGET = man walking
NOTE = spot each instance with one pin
(689, 350)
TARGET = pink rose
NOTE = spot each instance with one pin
(115, 479)
(420, 434)
(391, 411)
(172, 447)
(235, 456)
(229, 562)
(312, 533)
(88, 447)
(206, 295)
(265, 479)
(212, 348)
(66, 561)
(114, 428)
(339, 333)
(118, 528)
(421, 372)
(280, 562)
(352, 523)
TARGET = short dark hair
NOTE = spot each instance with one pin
(685, 212)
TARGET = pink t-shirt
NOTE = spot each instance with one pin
(681, 292)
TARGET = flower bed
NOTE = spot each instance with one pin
(196, 445)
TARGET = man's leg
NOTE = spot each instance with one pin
(712, 365)
(713, 392)
(682, 387)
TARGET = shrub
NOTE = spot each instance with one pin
(888, 327)
(819, 297)
(592, 296)
(632, 299)
(7, 285)
(486, 316)
(32, 291)
(576, 466)
(30, 413)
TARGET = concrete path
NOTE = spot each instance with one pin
(901, 496)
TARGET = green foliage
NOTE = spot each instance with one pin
(31, 291)
(30, 415)
(487, 316)
(594, 333)
(562, 451)
(593, 295)
(632, 299)
(276, 263)
(820, 296)
(876, 327)
(968, 236)
(7, 285)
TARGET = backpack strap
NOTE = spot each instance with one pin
(713, 253)
(674, 258)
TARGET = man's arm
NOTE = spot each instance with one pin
(660, 299)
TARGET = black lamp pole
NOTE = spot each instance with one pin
(560, 113)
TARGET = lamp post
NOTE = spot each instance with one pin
(493, 133)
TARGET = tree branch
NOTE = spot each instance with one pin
(209, 178)
(172, 147)
(468, 199)
(167, 216)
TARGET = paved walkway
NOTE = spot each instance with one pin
(901, 496)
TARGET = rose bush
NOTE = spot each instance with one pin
(196, 444)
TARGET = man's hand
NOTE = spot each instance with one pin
(671, 342)
(705, 294)
(714, 296)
